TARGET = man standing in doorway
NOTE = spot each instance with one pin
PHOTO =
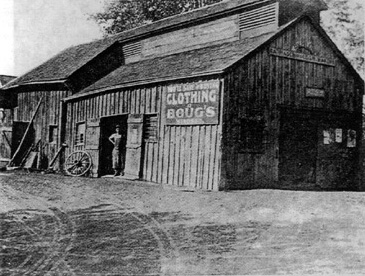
(116, 139)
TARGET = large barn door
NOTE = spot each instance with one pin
(19, 129)
(298, 150)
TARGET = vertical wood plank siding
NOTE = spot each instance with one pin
(183, 155)
(47, 115)
(262, 82)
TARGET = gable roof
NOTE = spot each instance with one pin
(63, 65)
(210, 60)
(59, 68)
(200, 62)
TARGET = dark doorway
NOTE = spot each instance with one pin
(107, 128)
(19, 129)
(298, 150)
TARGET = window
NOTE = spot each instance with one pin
(150, 127)
(53, 132)
(251, 135)
(80, 133)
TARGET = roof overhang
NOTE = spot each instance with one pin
(143, 82)
(37, 85)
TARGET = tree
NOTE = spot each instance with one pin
(121, 15)
(344, 23)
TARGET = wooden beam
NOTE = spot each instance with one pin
(55, 157)
(25, 133)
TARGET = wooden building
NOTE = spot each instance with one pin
(46, 85)
(237, 95)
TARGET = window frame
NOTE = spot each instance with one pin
(53, 139)
(77, 143)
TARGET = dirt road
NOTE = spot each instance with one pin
(55, 225)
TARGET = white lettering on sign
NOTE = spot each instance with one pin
(192, 104)
(301, 56)
(338, 135)
(351, 138)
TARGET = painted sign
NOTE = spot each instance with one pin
(192, 103)
(314, 93)
(327, 137)
(300, 56)
(351, 138)
(338, 135)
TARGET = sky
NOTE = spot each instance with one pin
(32, 31)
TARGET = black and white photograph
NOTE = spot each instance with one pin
(187, 137)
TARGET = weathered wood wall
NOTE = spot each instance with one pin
(263, 82)
(230, 28)
(217, 31)
(194, 37)
(183, 155)
(48, 114)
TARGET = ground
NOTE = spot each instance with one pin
(56, 225)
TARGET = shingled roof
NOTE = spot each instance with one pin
(64, 64)
(61, 66)
(200, 62)
(4, 79)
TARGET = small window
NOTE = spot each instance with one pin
(251, 135)
(53, 132)
(150, 127)
(80, 133)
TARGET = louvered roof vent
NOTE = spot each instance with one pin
(259, 20)
(131, 50)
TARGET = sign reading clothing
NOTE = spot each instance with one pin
(192, 103)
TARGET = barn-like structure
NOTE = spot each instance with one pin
(46, 85)
(237, 95)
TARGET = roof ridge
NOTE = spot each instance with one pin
(53, 64)
(230, 5)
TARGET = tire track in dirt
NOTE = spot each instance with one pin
(160, 255)
(41, 257)
(170, 261)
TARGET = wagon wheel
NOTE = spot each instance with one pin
(78, 163)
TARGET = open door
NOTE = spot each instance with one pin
(19, 129)
(133, 167)
(107, 128)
